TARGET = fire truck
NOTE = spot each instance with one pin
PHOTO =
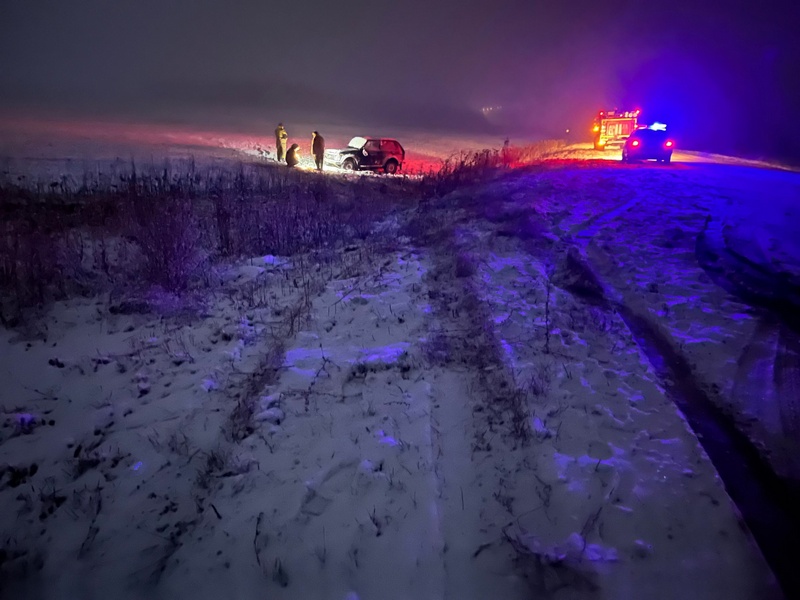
(612, 127)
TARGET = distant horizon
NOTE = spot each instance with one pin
(260, 123)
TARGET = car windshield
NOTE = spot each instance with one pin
(649, 134)
(357, 142)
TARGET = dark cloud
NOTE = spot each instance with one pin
(707, 66)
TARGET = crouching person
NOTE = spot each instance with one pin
(293, 155)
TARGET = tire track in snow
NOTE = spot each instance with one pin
(345, 497)
(787, 379)
(750, 476)
(624, 452)
(757, 492)
(477, 565)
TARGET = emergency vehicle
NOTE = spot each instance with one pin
(612, 127)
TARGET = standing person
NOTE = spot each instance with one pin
(506, 153)
(281, 139)
(318, 148)
(292, 156)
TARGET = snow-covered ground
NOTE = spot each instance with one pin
(351, 436)
(640, 224)
(51, 148)
(364, 474)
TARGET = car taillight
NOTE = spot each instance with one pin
(669, 144)
(635, 143)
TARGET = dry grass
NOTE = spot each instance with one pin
(469, 168)
(161, 229)
(167, 228)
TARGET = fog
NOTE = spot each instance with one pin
(721, 74)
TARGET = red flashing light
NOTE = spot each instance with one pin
(669, 144)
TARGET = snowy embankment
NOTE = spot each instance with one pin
(647, 246)
(641, 227)
(614, 491)
(671, 242)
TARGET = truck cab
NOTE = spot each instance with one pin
(612, 127)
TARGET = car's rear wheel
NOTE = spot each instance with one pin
(350, 165)
(391, 167)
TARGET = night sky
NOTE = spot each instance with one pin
(723, 74)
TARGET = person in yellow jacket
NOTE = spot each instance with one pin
(318, 148)
(281, 139)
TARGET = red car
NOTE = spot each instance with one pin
(367, 153)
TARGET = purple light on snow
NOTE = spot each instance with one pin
(25, 419)
(386, 439)
(25, 422)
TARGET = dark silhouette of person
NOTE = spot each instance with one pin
(292, 156)
(281, 139)
(318, 149)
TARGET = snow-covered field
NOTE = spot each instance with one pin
(53, 148)
(448, 415)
